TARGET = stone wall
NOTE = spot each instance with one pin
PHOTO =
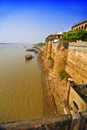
(48, 49)
(66, 122)
(73, 59)
(50, 123)
(77, 65)
(60, 60)
(75, 101)
(78, 44)
(54, 49)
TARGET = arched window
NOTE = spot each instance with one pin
(82, 27)
(85, 26)
(75, 105)
(79, 27)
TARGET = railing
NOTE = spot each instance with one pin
(78, 44)
(76, 121)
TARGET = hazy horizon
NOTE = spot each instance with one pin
(31, 21)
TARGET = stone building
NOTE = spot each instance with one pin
(81, 25)
(76, 96)
(52, 42)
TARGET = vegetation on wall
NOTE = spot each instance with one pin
(64, 75)
(51, 62)
(51, 59)
(40, 44)
(75, 35)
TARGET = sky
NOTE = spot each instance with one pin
(31, 21)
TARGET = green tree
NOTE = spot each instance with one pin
(74, 35)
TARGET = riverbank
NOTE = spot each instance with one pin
(53, 83)
(49, 106)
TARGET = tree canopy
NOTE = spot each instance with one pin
(75, 35)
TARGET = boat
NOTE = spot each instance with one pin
(28, 57)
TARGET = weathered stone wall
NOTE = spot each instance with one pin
(74, 61)
(60, 60)
(49, 49)
(76, 101)
(77, 65)
(78, 44)
(54, 49)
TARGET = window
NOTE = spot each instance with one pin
(75, 105)
(82, 27)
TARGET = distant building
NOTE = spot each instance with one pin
(52, 42)
(57, 36)
(54, 37)
(81, 25)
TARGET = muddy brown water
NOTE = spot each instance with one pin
(21, 93)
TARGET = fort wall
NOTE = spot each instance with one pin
(76, 64)
(75, 101)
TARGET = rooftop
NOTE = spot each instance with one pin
(85, 21)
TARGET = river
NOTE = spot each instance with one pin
(21, 93)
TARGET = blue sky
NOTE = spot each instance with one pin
(31, 21)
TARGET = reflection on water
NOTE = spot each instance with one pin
(21, 96)
(27, 61)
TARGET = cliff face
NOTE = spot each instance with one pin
(77, 65)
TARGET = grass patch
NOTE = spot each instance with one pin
(51, 59)
(64, 75)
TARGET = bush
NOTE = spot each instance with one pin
(64, 75)
(74, 35)
(51, 59)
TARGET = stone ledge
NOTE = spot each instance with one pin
(49, 123)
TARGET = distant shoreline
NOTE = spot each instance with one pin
(16, 43)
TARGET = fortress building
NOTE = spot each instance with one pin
(81, 25)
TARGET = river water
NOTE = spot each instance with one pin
(21, 93)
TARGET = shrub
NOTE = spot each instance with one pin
(51, 59)
(64, 75)
(74, 35)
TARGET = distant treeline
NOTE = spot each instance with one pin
(40, 44)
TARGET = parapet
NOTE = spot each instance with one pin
(76, 121)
